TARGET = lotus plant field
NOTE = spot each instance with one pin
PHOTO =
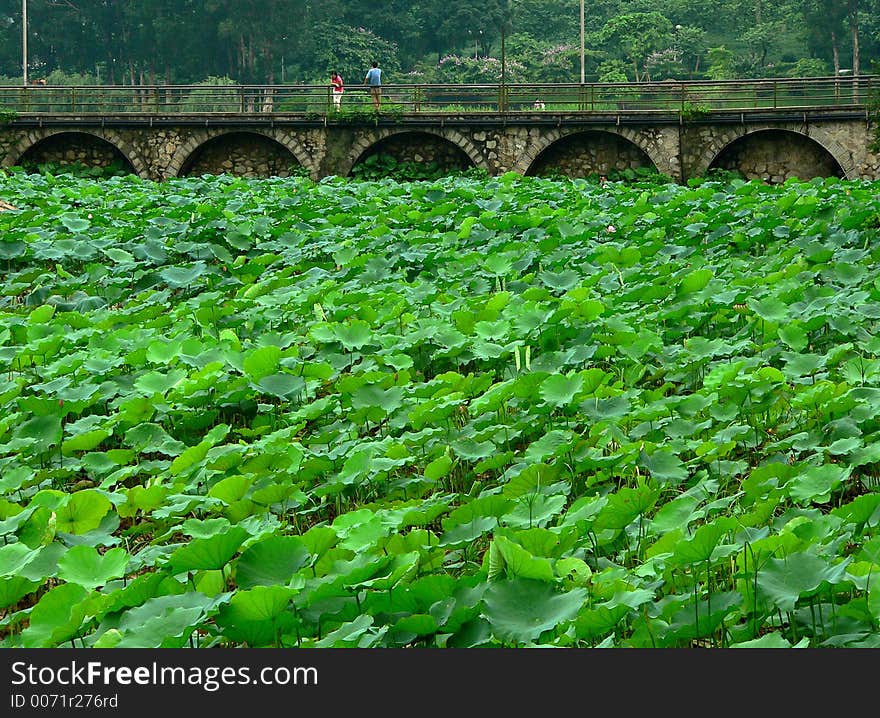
(457, 413)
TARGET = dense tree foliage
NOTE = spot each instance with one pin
(300, 41)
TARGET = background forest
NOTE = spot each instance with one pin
(435, 41)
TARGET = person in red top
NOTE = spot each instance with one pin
(336, 82)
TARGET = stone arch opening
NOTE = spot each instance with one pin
(76, 149)
(414, 153)
(591, 153)
(243, 154)
(775, 155)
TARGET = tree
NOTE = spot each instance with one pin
(637, 35)
(824, 20)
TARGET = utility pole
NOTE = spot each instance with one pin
(24, 48)
(582, 42)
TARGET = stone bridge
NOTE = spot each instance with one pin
(772, 146)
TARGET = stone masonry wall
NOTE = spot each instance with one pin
(772, 151)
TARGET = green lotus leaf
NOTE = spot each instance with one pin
(87, 441)
(118, 256)
(536, 510)
(163, 352)
(83, 512)
(178, 277)
(597, 622)
(369, 396)
(274, 560)
(261, 362)
(41, 315)
(533, 479)
(282, 386)
(166, 621)
(560, 281)
(398, 571)
(558, 390)
(520, 610)
(356, 467)
(624, 506)
(260, 603)
(815, 483)
(783, 581)
(13, 479)
(518, 562)
(57, 617)
(14, 588)
(676, 514)
(438, 468)
(861, 510)
(354, 335)
(83, 565)
(12, 249)
(702, 545)
(664, 466)
(416, 625)
(467, 533)
(14, 557)
(208, 553)
(150, 438)
(45, 564)
(350, 634)
(191, 456)
(473, 450)
(156, 382)
(41, 432)
(695, 281)
(554, 443)
(231, 489)
(74, 223)
(143, 499)
(770, 640)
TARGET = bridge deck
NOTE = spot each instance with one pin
(659, 101)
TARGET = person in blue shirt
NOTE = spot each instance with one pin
(373, 78)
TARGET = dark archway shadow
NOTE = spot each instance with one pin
(777, 155)
(412, 155)
(591, 153)
(76, 150)
(242, 154)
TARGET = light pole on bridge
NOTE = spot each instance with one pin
(582, 42)
(24, 47)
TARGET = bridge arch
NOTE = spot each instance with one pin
(93, 146)
(372, 142)
(208, 146)
(777, 152)
(605, 148)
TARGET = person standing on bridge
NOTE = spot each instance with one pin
(373, 78)
(338, 89)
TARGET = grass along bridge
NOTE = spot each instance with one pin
(771, 129)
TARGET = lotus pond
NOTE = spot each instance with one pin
(500, 412)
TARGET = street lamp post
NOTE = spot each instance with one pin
(24, 47)
(582, 42)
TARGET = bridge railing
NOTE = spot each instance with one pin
(688, 99)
